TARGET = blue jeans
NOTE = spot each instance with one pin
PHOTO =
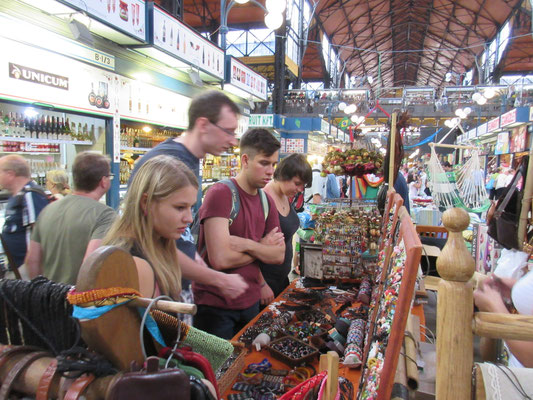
(222, 322)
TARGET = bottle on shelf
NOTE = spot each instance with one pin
(73, 131)
(27, 127)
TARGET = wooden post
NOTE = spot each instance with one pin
(455, 302)
(392, 139)
(330, 362)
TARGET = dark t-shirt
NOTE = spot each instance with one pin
(250, 224)
(22, 211)
(175, 149)
(277, 275)
(400, 185)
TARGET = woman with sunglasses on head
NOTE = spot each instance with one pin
(292, 174)
(157, 209)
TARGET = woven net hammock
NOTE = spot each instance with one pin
(467, 191)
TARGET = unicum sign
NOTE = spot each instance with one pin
(34, 75)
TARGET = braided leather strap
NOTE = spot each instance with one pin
(43, 389)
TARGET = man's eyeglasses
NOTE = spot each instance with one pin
(229, 132)
(111, 176)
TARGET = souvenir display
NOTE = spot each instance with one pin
(345, 234)
(353, 162)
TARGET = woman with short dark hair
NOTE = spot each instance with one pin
(292, 174)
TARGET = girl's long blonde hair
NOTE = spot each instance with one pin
(157, 179)
(59, 179)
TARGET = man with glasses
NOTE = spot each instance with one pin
(70, 229)
(213, 120)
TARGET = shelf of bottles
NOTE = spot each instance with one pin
(41, 133)
(215, 168)
(39, 168)
(137, 139)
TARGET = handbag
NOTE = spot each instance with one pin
(503, 216)
(165, 384)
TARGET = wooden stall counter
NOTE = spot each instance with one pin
(353, 375)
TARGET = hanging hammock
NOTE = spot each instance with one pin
(469, 190)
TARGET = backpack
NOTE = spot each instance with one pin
(38, 190)
(235, 208)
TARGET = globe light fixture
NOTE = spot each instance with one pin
(482, 100)
(275, 5)
(354, 118)
(342, 106)
(241, 1)
(489, 93)
(273, 20)
(476, 96)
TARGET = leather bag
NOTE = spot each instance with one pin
(151, 383)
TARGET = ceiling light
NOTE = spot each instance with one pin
(370, 79)
(241, 1)
(476, 96)
(30, 112)
(489, 93)
(355, 118)
(195, 78)
(273, 20)
(147, 129)
(482, 100)
(448, 77)
(467, 110)
(342, 105)
(275, 5)
(448, 123)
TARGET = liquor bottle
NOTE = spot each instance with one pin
(67, 130)
(48, 128)
(203, 55)
(5, 131)
(92, 136)
(36, 128)
(27, 127)
(79, 136)
(164, 32)
(171, 36)
(136, 139)
(2, 123)
(12, 125)
(73, 131)
(85, 135)
(177, 40)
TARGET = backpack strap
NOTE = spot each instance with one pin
(264, 202)
(235, 199)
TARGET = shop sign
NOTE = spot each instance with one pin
(493, 124)
(324, 126)
(518, 139)
(482, 129)
(177, 39)
(128, 16)
(293, 146)
(502, 145)
(261, 120)
(142, 101)
(508, 118)
(246, 79)
(37, 75)
(21, 72)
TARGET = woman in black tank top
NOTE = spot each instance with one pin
(291, 176)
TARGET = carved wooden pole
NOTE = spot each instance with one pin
(455, 311)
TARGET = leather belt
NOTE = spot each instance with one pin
(17, 369)
(78, 386)
(43, 389)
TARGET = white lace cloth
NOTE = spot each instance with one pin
(501, 384)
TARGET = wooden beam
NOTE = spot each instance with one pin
(503, 326)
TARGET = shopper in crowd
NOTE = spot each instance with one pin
(57, 183)
(316, 193)
(67, 231)
(423, 177)
(290, 177)
(157, 210)
(213, 120)
(491, 182)
(493, 295)
(414, 185)
(501, 182)
(23, 207)
(238, 245)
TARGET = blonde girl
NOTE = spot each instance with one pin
(57, 183)
(157, 209)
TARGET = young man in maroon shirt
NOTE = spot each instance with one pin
(237, 247)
